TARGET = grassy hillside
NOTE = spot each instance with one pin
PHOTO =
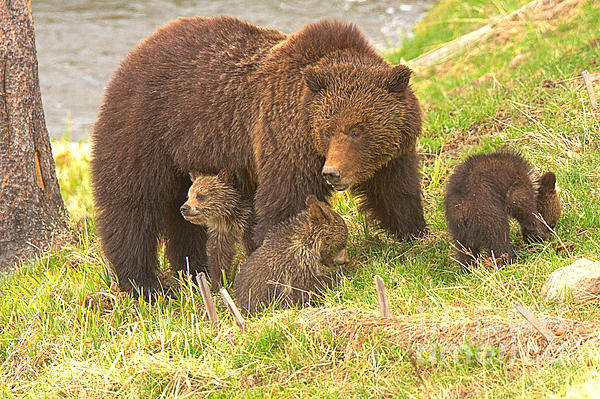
(65, 332)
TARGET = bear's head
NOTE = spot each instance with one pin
(548, 201)
(210, 198)
(548, 206)
(329, 231)
(361, 116)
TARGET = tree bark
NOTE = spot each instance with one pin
(32, 213)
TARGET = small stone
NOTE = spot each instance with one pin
(579, 281)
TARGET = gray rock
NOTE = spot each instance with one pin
(579, 282)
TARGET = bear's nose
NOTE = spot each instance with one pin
(331, 174)
(184, 208)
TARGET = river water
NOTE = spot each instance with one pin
(80, 42)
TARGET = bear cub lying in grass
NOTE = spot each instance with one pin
(217, 203)
(296, 261)
(486, 189)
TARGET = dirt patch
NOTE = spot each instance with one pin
(547, 15)
(509, 339)
(575, 82)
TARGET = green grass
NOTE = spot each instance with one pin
(65, 333)
(449, 20)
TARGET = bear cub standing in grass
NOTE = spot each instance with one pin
(486, 189)
(216, 202)
(296, 261)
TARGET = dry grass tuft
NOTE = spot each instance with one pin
(512, 339)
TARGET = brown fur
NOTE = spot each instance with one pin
(296, 261)
(211, 93)
(486, 189)
(215, 202)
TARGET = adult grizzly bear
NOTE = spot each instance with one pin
(286, 113)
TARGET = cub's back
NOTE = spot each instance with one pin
(486, 174)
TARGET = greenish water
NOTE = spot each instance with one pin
(80, 42)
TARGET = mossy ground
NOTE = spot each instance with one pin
(65, 333)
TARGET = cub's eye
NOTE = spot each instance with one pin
(200, 197)
(354, 133)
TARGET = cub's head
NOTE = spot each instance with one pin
(210, 198)
(362, 114)
(548, 201)
(329, 230)
(548, 205)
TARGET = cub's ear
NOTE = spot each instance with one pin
(316, 213)
(397, 79)
(194, 174)
(548, 182)
(226, 177)
(315, 79)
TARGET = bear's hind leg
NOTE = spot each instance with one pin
(129, 240)
(499, 241)
(466, 256)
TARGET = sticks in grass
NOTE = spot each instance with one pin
(237, 316)
(538, 324)
(384, 306)
(210, 304)
(590, 89)
(208, 299)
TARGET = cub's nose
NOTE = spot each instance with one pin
(331, 174)
(184, 208)
(341, 258)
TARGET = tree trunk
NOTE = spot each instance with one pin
(31, 208)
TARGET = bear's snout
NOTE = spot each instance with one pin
(341, 258)
(331, 174)
(334, 177)
(185, 208)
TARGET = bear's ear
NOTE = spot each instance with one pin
(316, 213)
(548, 182)
(315, 80)
(194, 174)
(226, 177)
(397, 79)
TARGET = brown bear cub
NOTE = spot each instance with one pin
(486, 189)
(216, 202)
(296, 261)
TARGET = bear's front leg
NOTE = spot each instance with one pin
(282, 192)
(393, 197)
(221, 251)
(273, 204)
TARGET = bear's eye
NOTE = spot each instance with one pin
(355, 132)
(200, 197)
